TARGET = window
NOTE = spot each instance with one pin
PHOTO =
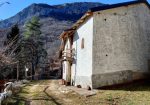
(82, 43)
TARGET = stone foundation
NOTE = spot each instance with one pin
(108, 79)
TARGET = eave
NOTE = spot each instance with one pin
(71, 31)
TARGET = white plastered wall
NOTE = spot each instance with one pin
(82, 64)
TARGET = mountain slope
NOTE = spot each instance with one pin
(71, 12)
(54, 19)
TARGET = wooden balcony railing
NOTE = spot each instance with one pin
(68, 55)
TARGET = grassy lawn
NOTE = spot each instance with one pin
(47, 93)
(132, 94)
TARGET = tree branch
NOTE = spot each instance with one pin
(1, 4)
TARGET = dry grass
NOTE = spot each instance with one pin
(46, 93)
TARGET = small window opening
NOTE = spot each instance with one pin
(115, 13)
(105, 19)
(82, 43)
(99, 13)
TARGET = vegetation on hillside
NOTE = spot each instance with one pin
(25, 51)
(9, 52)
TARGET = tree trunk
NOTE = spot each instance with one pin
(33, 71)
(17, 71)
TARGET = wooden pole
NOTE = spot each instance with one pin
(17, 71)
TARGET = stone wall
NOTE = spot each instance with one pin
(121, 42)
(121, 39)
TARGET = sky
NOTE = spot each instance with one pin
(15, 6)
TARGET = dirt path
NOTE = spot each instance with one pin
(46, 93)
(43, 93)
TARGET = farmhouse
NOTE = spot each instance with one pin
(109, 45)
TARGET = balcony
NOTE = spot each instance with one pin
(68, 55)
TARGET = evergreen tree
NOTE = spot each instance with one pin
(32, 29)
(33, 41)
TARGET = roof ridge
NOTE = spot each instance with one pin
(118, 5)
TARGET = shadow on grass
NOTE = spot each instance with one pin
(17, 101)
(53, 99)
(139, 85)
